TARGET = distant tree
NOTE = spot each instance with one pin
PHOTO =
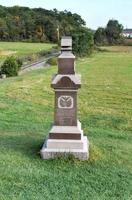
(113, 31)
(3, 29)
(82, 41)
(3, 12)
(100, 36)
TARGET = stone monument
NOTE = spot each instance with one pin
(66, 136)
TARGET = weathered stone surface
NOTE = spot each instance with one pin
(66, 43)
(66, 62)
(81, 153)
(65, 108)
(64, 144)
(67, 82)
(66, 132)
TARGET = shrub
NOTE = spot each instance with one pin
(19, 62)
(11, 66)
(52, 61)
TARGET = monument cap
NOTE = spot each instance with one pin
(66, 43)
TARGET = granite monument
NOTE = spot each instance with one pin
(66, 135)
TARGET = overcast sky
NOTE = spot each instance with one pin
(95, 12)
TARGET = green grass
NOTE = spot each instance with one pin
(23, 48)
(124, 49)
(105, 110)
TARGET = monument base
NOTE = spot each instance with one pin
(54, 148)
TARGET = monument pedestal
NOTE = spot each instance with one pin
(80, 153)
(59, 147)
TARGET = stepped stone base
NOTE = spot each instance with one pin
(54, 148)
(66, 132)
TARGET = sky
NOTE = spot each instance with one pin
(96, 13)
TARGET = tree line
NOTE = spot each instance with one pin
(111, 34)
(41, 25)
(38, 24)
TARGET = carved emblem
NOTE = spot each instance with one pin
(65, 102)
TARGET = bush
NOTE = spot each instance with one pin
(19, 62)
(11, 66)
(52, 61)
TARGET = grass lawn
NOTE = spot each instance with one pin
(21, 48)
(124, 49)
(105, 110)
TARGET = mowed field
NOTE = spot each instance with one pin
(21, 48)
(105, 110)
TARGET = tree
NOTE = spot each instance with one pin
(82, 41)
(113, 31)
(100, 36)
(3, 29)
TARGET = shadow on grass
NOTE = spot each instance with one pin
(27, 145)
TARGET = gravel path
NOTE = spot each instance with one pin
(37, 65)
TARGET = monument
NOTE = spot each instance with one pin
(66, 136)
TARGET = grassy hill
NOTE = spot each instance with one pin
(105, 110)
(22, 48)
